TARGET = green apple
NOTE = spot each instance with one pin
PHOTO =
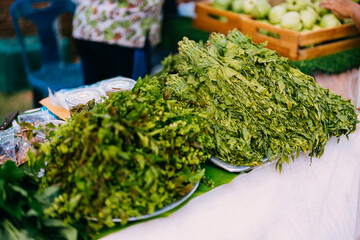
(308, 17)
(329, 20)
(291, 20)
(248, 6)
(320, 10)
(276, 14)
(238, 6)
(316, 27)
(222, 4)
(297, 5)
(261, 9)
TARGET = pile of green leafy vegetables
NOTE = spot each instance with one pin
(22, 208)
(259, 105)
(139, 151)
(130, 155)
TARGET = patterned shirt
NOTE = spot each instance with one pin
(123, 22)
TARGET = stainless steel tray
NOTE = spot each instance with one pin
(161, 210)
(233, 168)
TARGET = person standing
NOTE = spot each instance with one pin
(113, 36)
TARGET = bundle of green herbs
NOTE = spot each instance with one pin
(259, 105)
(132, 154)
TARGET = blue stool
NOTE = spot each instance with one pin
(54, 73)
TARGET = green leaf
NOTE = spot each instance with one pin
(18, 189)
(74, 201)
(53, 223)
(69, 233)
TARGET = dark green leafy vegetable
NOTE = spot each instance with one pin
(82, 107)
(130, 155)
(22, 208)
(259, 105)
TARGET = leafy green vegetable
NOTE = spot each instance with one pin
(171, 63)
(130, 155)
(139, 151)
(259, 105)
(82, 107)
(22, 208)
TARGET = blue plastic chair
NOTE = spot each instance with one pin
(140, 64)
(54, 73)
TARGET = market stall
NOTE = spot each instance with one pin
(135, 160)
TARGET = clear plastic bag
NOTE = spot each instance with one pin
(37, 116)
(7, 145)
(15, 142)
(21, 151)
(13, 147)
(46, 127)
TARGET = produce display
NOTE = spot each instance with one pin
(297, 15)
(135, 152)
(259, 105)
(128, 156)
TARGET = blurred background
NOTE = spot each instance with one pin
(15, 92)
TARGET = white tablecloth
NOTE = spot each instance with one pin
(318, 200)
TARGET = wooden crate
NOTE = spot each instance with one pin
(291, 44)
(212, 19)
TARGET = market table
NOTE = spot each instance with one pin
(318, 199)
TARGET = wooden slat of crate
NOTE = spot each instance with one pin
(285, 45)
(327, 34)
(208, 19)
(328, 48)
(290, 43)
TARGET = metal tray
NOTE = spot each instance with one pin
(161, 210)
(233, 168)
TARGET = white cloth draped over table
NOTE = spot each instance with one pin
(306, 201)
(318, 200)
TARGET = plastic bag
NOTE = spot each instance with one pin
(13, 148)
(7, 145)
(36, 116)
(41, 135)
